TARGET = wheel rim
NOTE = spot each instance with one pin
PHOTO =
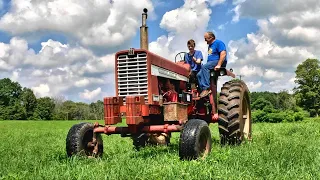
(246, 119)
(204, 145)
(87, 138)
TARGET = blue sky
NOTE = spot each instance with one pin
(67, 47)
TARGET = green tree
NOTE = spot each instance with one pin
(269, 96)
(44, 110)
(96, 110)
(100, 106)
(69, 110)
(29, 102)
(262, 104)
(59, 112)
(308, 90)
(11, 107)
(286, 100)
(9, 92)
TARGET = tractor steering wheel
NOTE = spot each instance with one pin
(181, 58)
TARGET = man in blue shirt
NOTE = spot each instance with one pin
(194, 58)
(217, 58)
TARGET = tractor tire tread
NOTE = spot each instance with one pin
(233, 106)
(234, 97)
(229, 108)
(188, 144)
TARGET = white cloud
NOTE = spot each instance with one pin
(261, 9)
(15, 75)
(82, 83)
(262, 60)
(221, 27)
(271, 74)
(42, 90)
(216, 2)
(87, 81)
(89, 95)
(254, 86)
(56, 69)
(249, 71)
(261, 51)
(5, 66)
(94, 23)
(288, 34)
(236, 13)
(37, 73)
(187, 22)
(288, 24)
(53, 54)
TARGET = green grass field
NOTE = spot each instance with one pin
(36, 150)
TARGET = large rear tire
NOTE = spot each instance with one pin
(234, 110)
(79, 138)
(195, 140)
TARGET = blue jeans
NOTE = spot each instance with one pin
(204, 74)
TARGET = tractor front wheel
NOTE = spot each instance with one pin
(80, 141)
(195, 140)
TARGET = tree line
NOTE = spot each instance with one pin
(282, 106)
(20, 103)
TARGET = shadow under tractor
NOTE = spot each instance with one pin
(156, 97)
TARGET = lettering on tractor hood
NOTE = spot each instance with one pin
(158, 71)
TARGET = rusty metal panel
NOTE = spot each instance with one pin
(174, 111)
(112, 110)
(134, 108)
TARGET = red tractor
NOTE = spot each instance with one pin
(156, 98)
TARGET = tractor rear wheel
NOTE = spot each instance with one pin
(234, 113)
(79, 141)
(195, 140)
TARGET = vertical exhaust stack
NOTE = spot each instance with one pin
(144, 31)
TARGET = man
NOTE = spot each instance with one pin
(194, 58)
(217, 54)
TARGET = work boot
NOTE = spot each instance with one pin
(205, 93)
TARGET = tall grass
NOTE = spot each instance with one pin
(36, 150)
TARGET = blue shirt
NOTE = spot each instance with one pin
(194, 66)
(215, 49)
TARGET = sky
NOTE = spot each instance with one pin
(66, 47)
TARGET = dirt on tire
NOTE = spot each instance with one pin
(234, 111)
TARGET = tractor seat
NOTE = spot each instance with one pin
(221, 72)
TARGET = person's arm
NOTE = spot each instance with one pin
(223, 55)
(197, 58)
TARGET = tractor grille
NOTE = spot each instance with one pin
(132, 75)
